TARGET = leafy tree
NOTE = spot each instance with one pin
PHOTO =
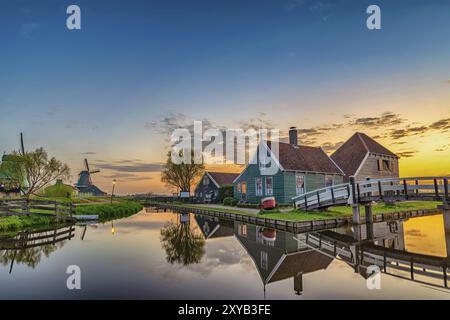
(32, 171)
(181, 176)
(182, 244)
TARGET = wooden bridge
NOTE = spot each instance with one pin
(363, 192)
(362, 254)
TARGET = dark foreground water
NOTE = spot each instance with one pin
(167, 256)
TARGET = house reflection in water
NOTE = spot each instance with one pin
(212, 227)
(278, 256)
(416, 249)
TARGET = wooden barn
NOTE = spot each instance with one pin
(208, 187)
(300, 169)
(364, 158)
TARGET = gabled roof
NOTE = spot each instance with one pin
(351, 154)
(305, 158)
(305, 262)
(221, 179)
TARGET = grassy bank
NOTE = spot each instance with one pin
(110, 211)
(333, 212)
(22, 222)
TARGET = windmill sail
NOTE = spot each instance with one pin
(22, 148)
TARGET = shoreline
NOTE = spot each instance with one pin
(266, 219)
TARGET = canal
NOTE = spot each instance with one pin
(167, 255)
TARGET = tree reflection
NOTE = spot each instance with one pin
(182, 244)
(28, 248)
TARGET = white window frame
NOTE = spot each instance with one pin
(329, 176)
(297, 190)
(269, 192)
(264, 260)
(258, 191)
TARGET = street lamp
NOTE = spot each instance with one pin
(112, 193)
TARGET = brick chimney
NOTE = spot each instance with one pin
(293, 139)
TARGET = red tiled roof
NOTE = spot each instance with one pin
(350, 155)
(304, 158)
(223, 178)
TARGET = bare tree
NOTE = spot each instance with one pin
(181, 176)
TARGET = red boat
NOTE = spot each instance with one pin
(269, 235)
(268, 203)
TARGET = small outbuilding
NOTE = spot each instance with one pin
(207, 189)
(364, 158)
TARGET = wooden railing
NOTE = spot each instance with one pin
(414, 188)
(333, 195)
(35, 206)
(390, 189)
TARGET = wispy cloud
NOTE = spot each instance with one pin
(384, 120)
(27, 30)
(131, 167)
(442, 124)
(406, 154)
(330, 147)
(127, 176)
(442, 148)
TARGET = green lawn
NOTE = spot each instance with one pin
(21, 222)
(333, 212)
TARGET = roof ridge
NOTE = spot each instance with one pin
(363, 142)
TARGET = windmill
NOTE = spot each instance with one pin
(84, 177)
(84, 184)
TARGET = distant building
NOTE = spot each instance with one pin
(364, 158)
(59, 189)
(300, 169)
(5, 174)
(208, 187)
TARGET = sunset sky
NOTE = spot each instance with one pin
(112, 91)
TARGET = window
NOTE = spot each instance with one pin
(269, 186)
(244, 187)
(258, 186)
(299, 183)
(205, 180)
(385, 165)
(242, 230)
(328, 181)
(238, 187)
(264, 260)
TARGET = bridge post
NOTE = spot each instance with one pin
(298, 283)
(368, 213)
(355, 205)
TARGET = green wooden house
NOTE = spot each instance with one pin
(300, 169)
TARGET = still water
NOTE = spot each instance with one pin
(171, 256)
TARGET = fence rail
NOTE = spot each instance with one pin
(36, 206)
(390, 189)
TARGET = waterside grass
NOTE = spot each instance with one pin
(332, 212)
